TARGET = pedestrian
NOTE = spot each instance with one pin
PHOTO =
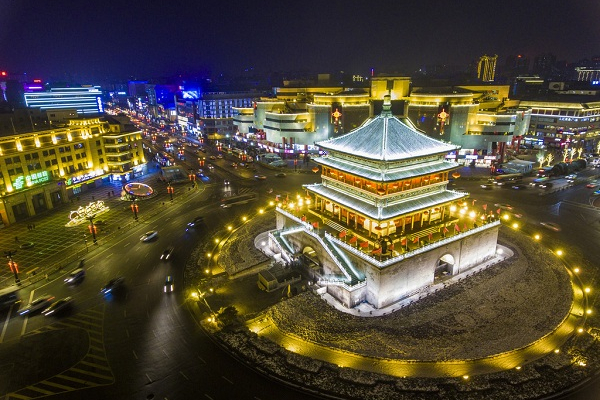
(113, 192)
(93, 198)
(109, 195)
(17, 239)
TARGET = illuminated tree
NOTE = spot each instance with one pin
(565, 154)
(549, 158)
(541, 157)
(579, 151)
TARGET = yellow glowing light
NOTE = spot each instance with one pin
(588, 311)
(559, 252)
(244, 218)
(54, 141)
(229, 228)
(19, 145)
(453, 208)
(556, 351)
(62, 172)
(216, 240)
(576, 270)
(90, 164)
(462, 211)
(279, 205)
(580, 330)
(587, 290)
(472, 214)
(465, 377)
(515, 225)
(37, 142)
(271, 203)
(195, 295)
(211, 290)
(537, 236)
(261, 211)
(69, 137)
(9, 188)
(518, 368)
(505, 217)
(206, 271)
(208, 255)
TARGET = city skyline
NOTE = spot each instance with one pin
(109, 39)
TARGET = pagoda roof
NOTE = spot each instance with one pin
(386, 138)
(374, 212)
(390, 175)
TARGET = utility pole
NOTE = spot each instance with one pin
(13, 265)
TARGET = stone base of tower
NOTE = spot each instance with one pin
(382, 280)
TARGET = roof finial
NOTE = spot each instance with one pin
(387, 105)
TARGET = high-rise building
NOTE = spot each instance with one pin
(86, 99)
(486, 68)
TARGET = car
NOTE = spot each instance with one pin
(167, 253)
(519, 187)
(226, 182)
(75, 276)
(219, 156)
(503, 206)
(571, 177)
(168, 284)
(546, 185)
(596, 192)
(37, 304)
(112, 285)
(486, 186)
(234, 165)
(551, 225)
(212, 157)
(149, 236)
(197, 221)
(58, 307)
(260, 177)
(592, 184)
(26, 245)
(280, 175)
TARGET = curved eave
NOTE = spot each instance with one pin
(386, 138)
(386, 176)
(371, 211)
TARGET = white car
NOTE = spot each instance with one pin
(551, 225)
(504, 206)
(149, 236)
(58, 306)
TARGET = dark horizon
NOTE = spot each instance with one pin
(118, 39)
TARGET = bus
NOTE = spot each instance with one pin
(8, 296)
(237, 200)
(508, 179)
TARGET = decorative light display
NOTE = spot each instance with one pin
(82, 214)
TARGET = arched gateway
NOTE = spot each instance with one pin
(382, 223)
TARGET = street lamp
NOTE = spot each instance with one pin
(170, 190)
(134, 208)
(13, 265)
(92, 229)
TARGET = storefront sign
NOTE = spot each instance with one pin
(30, 180)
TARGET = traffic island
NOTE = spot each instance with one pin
(510, 331)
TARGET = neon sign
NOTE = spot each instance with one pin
(30, 180)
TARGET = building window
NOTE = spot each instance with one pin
(47, 163)
(99, 152)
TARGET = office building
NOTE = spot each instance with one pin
(486, 68)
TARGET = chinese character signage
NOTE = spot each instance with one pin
(30, 180)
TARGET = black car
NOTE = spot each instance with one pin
(112, 285)
(75, 276)
(167, 253)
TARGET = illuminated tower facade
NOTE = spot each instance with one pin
(382, 223)
(486, 68)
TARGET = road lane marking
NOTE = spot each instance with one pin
(149, 380)
(200, 358)
(165, 353)
(227, 380)
(181, 372)
(208, 397)
(58, 386)
(24, 328)
(135, 355)
(6, 323)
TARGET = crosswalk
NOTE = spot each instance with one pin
(91, 371)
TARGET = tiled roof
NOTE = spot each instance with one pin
(372, 211)
(386, 138)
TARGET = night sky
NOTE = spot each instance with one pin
(97, 39)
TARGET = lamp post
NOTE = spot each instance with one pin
(134, 208)
(92, 229)
(13, 265)
(170, 190)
